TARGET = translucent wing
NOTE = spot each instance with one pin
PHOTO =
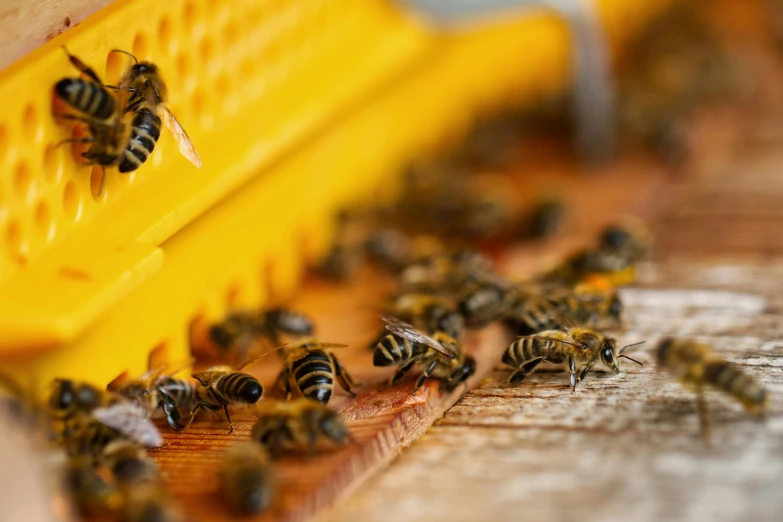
(553, 339)
(131, 421)
(409, 332)
(186, 147)
(251, 362)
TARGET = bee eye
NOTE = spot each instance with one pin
(608, 353)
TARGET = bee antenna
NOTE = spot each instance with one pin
(630, 359)
(135, 60)
(631, 346)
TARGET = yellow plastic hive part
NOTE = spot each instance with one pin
(297, 107)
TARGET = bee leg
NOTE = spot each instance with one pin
(704, 421)
(584, 373)
(423, 377)
(343, 377)
(171, 412)
(84, 69)
(228, 418)
(572, 371)
(399, 374)
(194, 411)
(524, 371)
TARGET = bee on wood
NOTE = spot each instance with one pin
(440, 356)
(91, 492)
(484, 302)
(620, 248)
(240, 330)
(157, 393)
(578, 348)
(311, 369)
(536, 309)
(147, 99)
(696, 365)
(298, 425)
(138, 479)
(248, 481)
(121, 420)
(432, 313)
(221, 386)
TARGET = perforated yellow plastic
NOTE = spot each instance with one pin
(298, 107)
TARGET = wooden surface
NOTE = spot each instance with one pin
(627, 447)
(384, 422)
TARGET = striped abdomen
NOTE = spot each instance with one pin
(182, 391)
(314, 376)
(145, 131)
(395, 351)
(727, 377)
(239, 387)
(532, 316)
(526, 349)
(86, 97)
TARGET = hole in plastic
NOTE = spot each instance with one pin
(98, 183)
(23, 181)
(72, 201)
(52, 163)
(44, 225)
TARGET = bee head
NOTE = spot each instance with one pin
(143, 68)
(464, 372)
(63, 395)
(221, 335)
(609, 355)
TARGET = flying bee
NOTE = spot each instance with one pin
(440, 356)
(241, 329)
(696, 365)
(139, 480)
(311, 369)
(155, 392)
(432, 313)
(578, 348)
(298, 425)
(147, 99)
(221, 386)
(248, 480)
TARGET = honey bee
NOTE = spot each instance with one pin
(156, 392)
(298, 425)
(109, 131)
(432, 313)
(546, 218)
(578, 348)
(389, 248)
(536, 309)
(147, 99)
(138, 479)
(696, 365)
(90, 491)
(616, 255)
(240, 330)
(248, 481)
(121, 420)
(221, 386)
(484, 302)
(440, 356)
(311, 369)
(445, 273)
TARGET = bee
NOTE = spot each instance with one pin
(616, 255)
(240, 330)
(389, 248)
(121, 420)
(221, 386)
(440, 356)
(298, 425)
(484, 302)
(432, 313)
(546, 218)
(138, 479)
(147, 99)
(91, 492)
(155, 392)
(109, 129)
(446, 272)
(248, 481)
(578, 348)
(536, 309)
(695, 364)
(311, 369)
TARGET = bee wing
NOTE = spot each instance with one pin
(553, 339)
(118, 381)
(251, 362)
(186, 147)
(131, 421)
(407, 331)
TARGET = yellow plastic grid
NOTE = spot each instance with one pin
(138, 275)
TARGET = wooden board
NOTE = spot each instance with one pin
(386, 422)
